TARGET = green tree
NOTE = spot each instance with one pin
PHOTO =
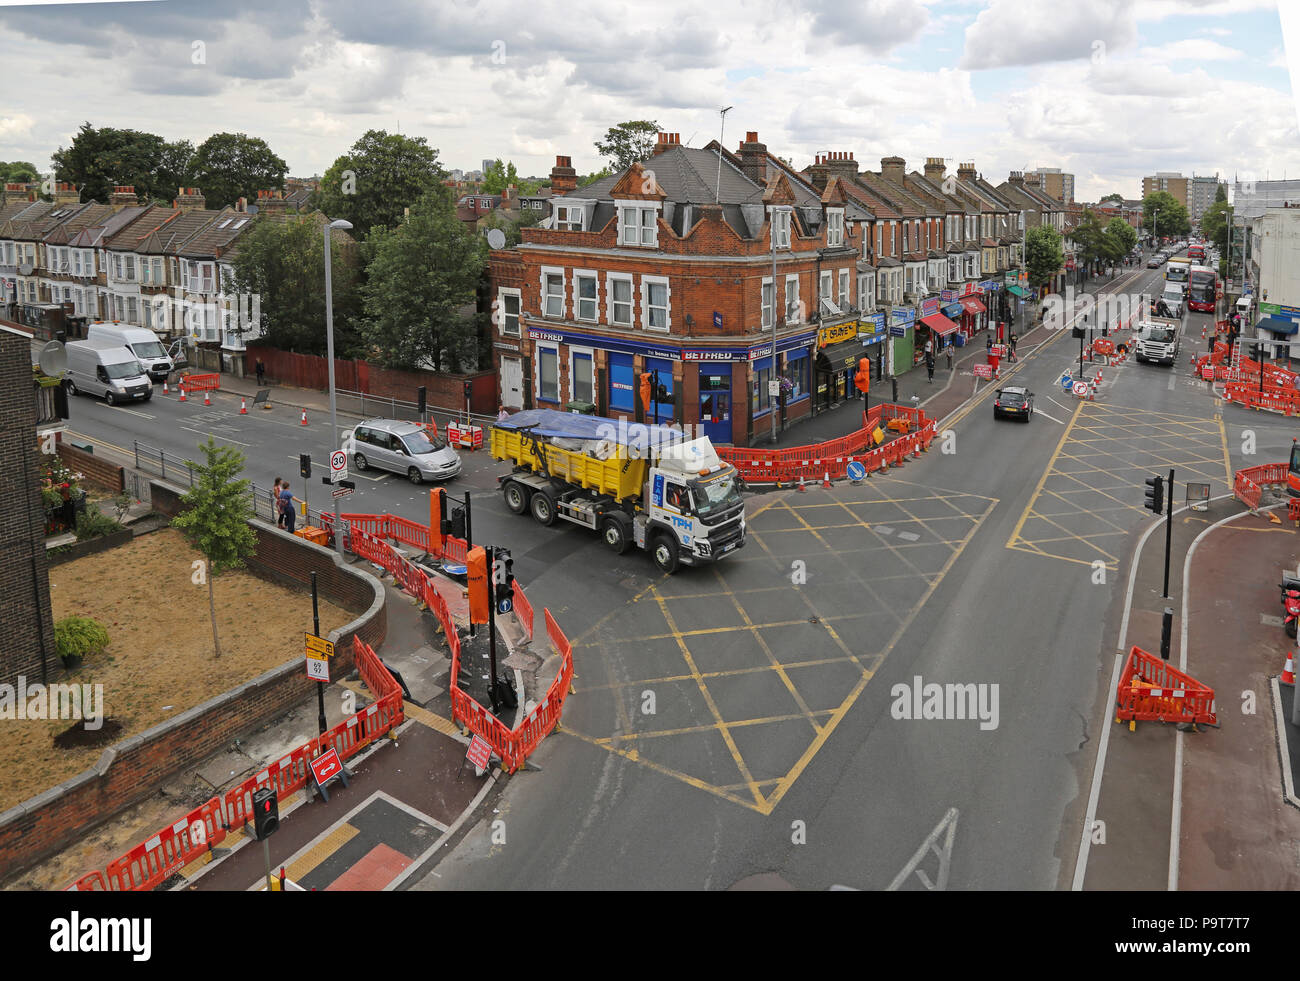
(1089, 239)
(499, 176)
(377, 179)
(422, 274)
(1043, 255)
(511, 223)
(98, 159)
(215, 519)
(173, 171)
(18, 172)
(627, 143)
(1162, 215)
(228, 166)
(283, 263)
(1214, 226)
(1222, 193)
(593, 177)
(1118, 240)
(1113, 196)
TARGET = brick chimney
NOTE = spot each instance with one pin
(18, 192)
(934, 168)
(666, 141)
(966, 172)
(1016, 177)
(122, 196)
(563, 177)
(241, 205)
(189, 199)
(271, 203)
(66, 194)
(833, 163)
(753, 158)
(892, 169)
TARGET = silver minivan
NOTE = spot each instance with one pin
(105, 370)
(401, 447)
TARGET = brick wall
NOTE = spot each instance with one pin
(27, 639)
(134, 768)
(99, 472)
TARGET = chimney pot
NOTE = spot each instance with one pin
(751, 136)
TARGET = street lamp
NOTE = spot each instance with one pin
(777, 209)
(329, 354)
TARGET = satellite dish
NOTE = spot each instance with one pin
(496, 238)
(53, 360)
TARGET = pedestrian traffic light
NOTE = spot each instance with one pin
(504, 578)
(469, 391)
(479, 587)
(266, 813)
(422, 398)
(304, 465)
(863, 378)
(1155, 494)
(455, 525)
(646, 392)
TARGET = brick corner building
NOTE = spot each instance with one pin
(27, 647)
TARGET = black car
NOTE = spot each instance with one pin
(1014, 403)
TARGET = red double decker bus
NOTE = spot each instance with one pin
(1202, 289)
(1196, 253)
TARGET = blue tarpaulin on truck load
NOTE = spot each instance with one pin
(573, 425)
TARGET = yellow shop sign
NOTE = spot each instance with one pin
(846, 331)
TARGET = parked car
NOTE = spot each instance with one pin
(1014, 403)
(1154, 262)
(405, 448)
(105, 370)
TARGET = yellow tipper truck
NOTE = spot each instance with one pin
(636, 484)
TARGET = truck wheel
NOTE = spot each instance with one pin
(615, 531)
(543, 508)
(664, 551)
(516, 498)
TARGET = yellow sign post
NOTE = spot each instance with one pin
(318, 646)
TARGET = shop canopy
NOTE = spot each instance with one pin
(1278, 325)
(971, 305)
(1018, 290)
(951, 310)
(938, 323)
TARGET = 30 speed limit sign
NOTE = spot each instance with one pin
(338, 466)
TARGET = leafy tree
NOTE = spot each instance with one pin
(1043, 255)
(98, 159)
(215, 519)
(499, 176)
(377, 179)
(18, 172)
(1222, 193)
(283, 262)
(1089, 239)
(420, 277)
(627, 143)
(1118, 240)
(1113, 196)
(1162, 215)
(1214, 226)
(512, 223)
(228, 166)
(173, 171)
(593, 177)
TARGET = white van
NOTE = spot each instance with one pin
(107, 371)
(140, 341)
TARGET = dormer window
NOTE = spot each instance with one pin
(781, 229)
(568, 218)
(638, 226)
(834, 227)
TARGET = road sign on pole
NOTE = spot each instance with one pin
(338, 466)
(319, 646)
(318, 667)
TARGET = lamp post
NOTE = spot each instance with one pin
(329, 354)
(777, 209)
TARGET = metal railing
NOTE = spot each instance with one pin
(370, 406)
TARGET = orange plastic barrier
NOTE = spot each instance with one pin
(90, 882)
(158, 858)
(1150, 690)
(202, 383)
(1293, 509)
(1248, 484)
(523, 610)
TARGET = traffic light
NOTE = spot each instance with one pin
(1155, 494)
(422, 397)
(863, 377)
(455, 525)
(266, 813)
(469, 391)
(304, 465)
(479, 587)
(504, 578)
(646, 391)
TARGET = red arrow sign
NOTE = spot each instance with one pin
(325, 766)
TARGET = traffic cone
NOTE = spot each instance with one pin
(164, 386)
(206, 400)
(243, 406)
(826, 480)
(801, 488)
(304, 417)
(1288, 672)
(182, 398)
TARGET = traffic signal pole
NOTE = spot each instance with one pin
(492, 627)
(1169, 530)
(320, 685)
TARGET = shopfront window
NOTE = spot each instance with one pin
(794, 376)
(622, 391)
(758, 400)
(548, 375)
(581, 383)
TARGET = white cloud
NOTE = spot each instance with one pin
(16, 127)
(1029, 32)
(1190, 49)
(876, 25)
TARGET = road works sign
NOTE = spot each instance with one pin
(480, 752)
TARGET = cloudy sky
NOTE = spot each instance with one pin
(1109, 90)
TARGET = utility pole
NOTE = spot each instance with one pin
(1169, 530)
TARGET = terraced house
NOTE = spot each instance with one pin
(667, 269)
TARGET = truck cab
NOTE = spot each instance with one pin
(693, 511)
(1158, 340)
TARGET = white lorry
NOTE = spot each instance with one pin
(639, 485)
(1157, 340)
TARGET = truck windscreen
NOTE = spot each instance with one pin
(717, 494)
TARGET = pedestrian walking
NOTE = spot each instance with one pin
(929, 366)
(286, 507)
(503, 414)
(948, 351)
(988, 344)
(260, 370)
(275, 501)
(1011, 342)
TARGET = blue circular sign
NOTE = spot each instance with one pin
(855, 470)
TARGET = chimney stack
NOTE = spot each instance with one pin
(18, 192)
(189, 199)
(966, 171)
(123, 196)
(271, 203)
(66, 194)
(666, 141)
(934, 168)
(1016, 177)
(892, 169)
(563, 177)
(833, 163)
(753, 158)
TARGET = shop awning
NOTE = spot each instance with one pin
(938, 323)
(1278, 325)
(1018, 290)
(972, 305)
(951, 310)
(842, 355)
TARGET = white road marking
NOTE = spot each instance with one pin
(1058, 404)
(1040, 412)
(931, 843)
(1173, 381)
(908, 536)
(1269, 620)
(884, 530)
(122, 408)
